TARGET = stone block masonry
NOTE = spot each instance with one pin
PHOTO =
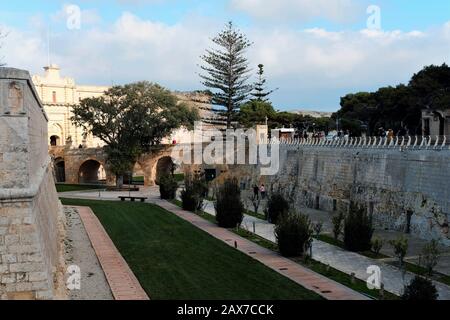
(30, 212)
(405, 190)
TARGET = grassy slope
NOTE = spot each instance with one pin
(174, 260)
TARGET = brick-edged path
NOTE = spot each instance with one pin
(122, 281)
(308, 279)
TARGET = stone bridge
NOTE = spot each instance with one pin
(74, 166)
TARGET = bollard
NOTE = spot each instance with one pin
(254, 227)
(235, 245)
(382, 291)
(353, 279)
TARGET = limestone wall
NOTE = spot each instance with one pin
(29, 206)
(389, 182)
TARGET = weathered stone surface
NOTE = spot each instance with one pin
(390, 183)
(29, 206)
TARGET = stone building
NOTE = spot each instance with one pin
(30, 212)
(58, 94)
(436, 122)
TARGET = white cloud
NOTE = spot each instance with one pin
(311, 67)
(301, 10)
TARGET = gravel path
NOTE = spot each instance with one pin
(79, 251)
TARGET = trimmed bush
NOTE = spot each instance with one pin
(358, 230)
(420, 289)
(168, 187)
(194, 192)
(229, 206)
(293, 233)
(277, 206)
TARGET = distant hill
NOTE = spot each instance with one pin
(314, 114)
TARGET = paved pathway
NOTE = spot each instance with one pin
(415, 243)
(122, 281)
(310, 280)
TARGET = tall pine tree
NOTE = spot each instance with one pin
(227, 72)
(259, 91)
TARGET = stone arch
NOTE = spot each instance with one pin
(60, 169)
(91, 171)
(163, 166)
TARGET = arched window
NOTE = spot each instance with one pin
(54, 141)
(54, 96)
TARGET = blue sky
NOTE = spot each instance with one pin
(315, 51)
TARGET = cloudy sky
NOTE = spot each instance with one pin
(314, 51)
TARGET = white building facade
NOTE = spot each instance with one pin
(58, 94)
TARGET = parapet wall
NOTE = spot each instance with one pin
(29, 206)
(403, 188)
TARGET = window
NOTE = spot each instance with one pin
(54, 141)
(54, 96)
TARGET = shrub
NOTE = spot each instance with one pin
(400, 249)
(194, 192)
(277, 206)
(229, 207)
(337, 225)
(429, 257)
(168, 187)
(377, 245)
(358, 230)
(420, 289)
(293, 233)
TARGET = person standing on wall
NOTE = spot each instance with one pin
(256, 191)
(263, 191)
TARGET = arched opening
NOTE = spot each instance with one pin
(55, 141)
(164, 166)
(60, 170)
(137, 175)
(91, 171)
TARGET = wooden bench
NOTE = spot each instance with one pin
(133, 199)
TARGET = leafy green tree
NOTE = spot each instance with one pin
(255, 112)
(226, 71)
(260, 92)
(130, 120)
(400, 246)
(398, 108)
(420, 289)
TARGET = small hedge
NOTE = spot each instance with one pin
(420, 289)
(168, 187)
(194, 192)
(358, 230)
(293, 233)
(229, 206)
(277, 206)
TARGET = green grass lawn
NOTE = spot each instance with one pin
(174, 260)
(77, 187)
